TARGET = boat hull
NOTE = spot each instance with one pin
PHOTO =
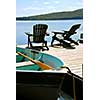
(33, 83)
(38, 85)
(73, 86)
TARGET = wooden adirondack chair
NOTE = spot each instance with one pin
(39, 32)
(66, 36)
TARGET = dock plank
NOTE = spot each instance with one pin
(73, 58)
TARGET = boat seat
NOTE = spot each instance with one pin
(24, 63)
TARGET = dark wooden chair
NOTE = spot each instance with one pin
(39, 33)
(66, 35)
(81, 38)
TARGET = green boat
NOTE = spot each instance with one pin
(40, 76)
(50, 60)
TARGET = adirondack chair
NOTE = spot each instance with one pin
(81, 38)
(66, 35)
(39, 33)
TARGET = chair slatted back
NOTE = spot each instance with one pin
(39, 32)
(74, 28)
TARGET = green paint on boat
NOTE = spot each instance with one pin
(29, 67)
(43, 57)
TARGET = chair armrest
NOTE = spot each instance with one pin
(28, 33)
(65, 31)
(47, 34)
(57, 32)
(70, 32)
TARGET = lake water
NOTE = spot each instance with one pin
(53, 25)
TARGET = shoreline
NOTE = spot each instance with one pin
(48, 19)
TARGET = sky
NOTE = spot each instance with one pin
(37, 7)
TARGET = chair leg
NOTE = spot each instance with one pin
(30, 45)
(55, 38)
(45, 45)
(52, 41)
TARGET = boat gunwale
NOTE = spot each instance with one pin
(44, 71)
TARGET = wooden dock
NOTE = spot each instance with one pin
(73, 58)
